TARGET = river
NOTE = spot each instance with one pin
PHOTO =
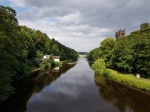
(72, 89)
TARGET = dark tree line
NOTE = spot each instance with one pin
(21, 50)
(130, 54)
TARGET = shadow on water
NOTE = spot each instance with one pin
(35, 83)
(122, 97)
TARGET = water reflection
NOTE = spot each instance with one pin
(74, 91)
(123, 97)
(30, 86)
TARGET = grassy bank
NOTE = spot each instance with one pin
(100, 67)
(128, 79)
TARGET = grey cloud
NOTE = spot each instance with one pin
(100, 13)
(42, 13)
(43, 3)
(82, 17)
(119, 15)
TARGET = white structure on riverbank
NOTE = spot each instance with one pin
(138, 76)
(82, 56)
(56, 58)
(45, 58)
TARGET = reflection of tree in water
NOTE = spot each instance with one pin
(122, 97)
(31, 85)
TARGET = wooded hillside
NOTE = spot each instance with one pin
(21, 50)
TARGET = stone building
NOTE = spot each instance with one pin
(119, 33)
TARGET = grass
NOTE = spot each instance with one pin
(129, 79)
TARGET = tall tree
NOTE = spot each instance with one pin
(106, 49)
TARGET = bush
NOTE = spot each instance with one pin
(99, 65)
(45, 65)
(106, 72)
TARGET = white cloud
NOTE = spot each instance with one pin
(73, 18)
(82, 24)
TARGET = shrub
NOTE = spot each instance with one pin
(45, 65)
(99, 65)
(106, 72)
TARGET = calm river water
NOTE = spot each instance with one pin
(73, 89)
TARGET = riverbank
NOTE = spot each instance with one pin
(129, 79)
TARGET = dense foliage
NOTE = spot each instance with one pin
(130, 54)
(93, 55)
(39, 43)
(21, 50)
(99, 65)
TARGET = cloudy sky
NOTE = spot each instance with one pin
(81, 24)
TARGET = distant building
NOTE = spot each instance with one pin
(82, 56)
(119, 33)
(56, 58)
(45, 58)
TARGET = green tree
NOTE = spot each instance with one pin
(93, 55)
(10, 50)
(99, 66)
(144, 26)
(106, 49)
(21, 50)
(122, 57)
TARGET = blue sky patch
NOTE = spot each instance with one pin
(53, 20)
(5, 2)
(17, 8)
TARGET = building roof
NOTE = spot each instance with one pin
(56, 57)
(46, 56)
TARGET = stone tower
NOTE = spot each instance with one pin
(119, 33)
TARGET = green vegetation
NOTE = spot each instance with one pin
(127, 79)
(127, 55)
(103, 52)
(130, 54)
(21, 50)
(130, 79)
(100, 67)
(144, 26)
(93, 55)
